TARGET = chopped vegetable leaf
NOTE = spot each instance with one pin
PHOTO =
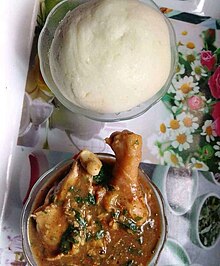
(65, 246)
(131, 249)
(100, 234)
(209, 221)
(67, 239)
(104, 174)
(129, 263)
(129, 224)
(80, 220)
(89, 236)
(79, 200)
(116, 214)
(125, 212)
(138, 218)
(135, 251)
(90, 199)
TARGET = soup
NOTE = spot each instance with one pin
(98, 211)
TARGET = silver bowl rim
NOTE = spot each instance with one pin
(62, 166)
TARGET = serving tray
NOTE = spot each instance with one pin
(184, 193)
(49, 133)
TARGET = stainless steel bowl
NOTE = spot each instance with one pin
(57, 173)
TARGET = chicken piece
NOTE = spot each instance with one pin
(128, 151)
(90, 162)
(51, 224)
(50, 220)
(67, 182)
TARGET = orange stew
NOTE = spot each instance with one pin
(90, 234)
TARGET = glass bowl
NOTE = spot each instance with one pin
(45, 39)
(57, 173)
(178, 186)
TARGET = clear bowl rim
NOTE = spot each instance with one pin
(42, 181)
(103, 117)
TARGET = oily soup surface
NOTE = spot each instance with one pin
(124, 242)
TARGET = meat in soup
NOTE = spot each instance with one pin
(102, 211)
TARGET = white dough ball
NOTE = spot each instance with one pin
(111, 55)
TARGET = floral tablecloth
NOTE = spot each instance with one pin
(186, 128)
(191, 200)
(182, 130)
(189, 136)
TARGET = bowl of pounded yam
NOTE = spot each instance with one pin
(107, 60)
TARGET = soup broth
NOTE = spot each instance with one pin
(101, 210)
(105, 238)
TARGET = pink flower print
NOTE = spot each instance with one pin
(217, 126)
(214, 83)
(195, 102)
(207, 59)
(216, 111)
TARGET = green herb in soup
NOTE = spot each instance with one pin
(103, 212)
(209, 221)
